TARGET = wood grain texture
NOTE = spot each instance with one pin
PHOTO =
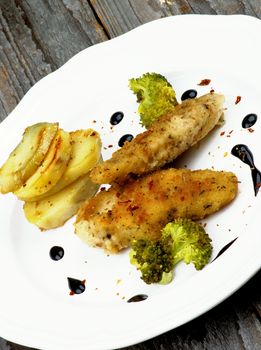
(21, 64)
(37, 37)
(13, 346)
(118, 17)
(57, 27)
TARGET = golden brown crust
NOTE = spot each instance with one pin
(168, 137)
(142, 208)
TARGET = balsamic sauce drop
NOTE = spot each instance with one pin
(56, 253)
(245, 155)
(137, 298)
(249, 120)
(224, 248)
(76, 286)
(116, 118)
(124, 138)
(189, 94)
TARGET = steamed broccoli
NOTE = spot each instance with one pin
(191, 242)
(182, 239)
(155, 95)
(152, 258)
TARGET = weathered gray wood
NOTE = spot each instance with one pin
(222, 7)
(18, 58)
(13, 346)
(57, 27)
(4, 345)
(118, 17)
(38, 36)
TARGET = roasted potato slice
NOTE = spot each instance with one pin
(86, 152)
(51, 169)
(55, 210)
(27, 156)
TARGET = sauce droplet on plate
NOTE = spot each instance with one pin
(76, 286)
(189, 94)
(137, 298)
(224, 248)
(249, 120)
(56, 253)
(125, 138)
(245, 155)
(116, 118)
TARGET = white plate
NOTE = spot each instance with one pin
(36, 308)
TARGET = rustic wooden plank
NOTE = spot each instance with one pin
(257, 305)
(13, 346)
(21, 62)
(246, 304)
(61, 28)
(34, 42)
(118, 17)
(255, 7)
(16, 63)
(4, 345)
(21, 41)
(221, 7)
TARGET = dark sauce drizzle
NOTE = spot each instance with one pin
(137, 298)
(249, 120)
(224, 248)
(125, 138)
(76, 286)
(189, 94)
(245, 155)
(116, 118)
(56, 253)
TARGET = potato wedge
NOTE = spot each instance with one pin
(86, 152)
(51, 169)
(55, 210)
(27, 156)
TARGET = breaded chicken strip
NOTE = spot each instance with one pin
(141, 208)
(168, 137)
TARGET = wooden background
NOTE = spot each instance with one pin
(37, 37)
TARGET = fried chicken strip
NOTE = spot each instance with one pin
(168, 137)
(141, 208)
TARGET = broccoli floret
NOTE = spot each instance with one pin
(182, 239)
(152, 258)
(155, 96)
(191, 242)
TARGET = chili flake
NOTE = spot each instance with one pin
(238, 99)
(204, 82)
